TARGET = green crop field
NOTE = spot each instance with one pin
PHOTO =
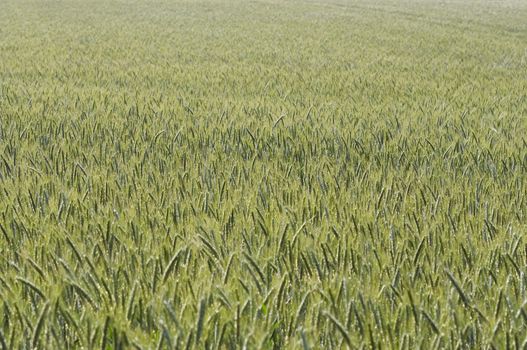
(287, 174)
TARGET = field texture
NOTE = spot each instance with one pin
(263, 174)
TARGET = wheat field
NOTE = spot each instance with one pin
(295, 174)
